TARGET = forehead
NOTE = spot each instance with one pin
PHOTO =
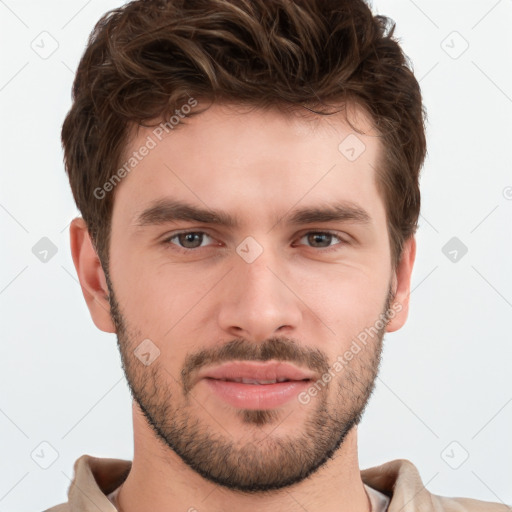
(257, 160)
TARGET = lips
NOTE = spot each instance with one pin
(256, 372)
(257, 381)
(254, 384)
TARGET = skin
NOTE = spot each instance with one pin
(257, 165)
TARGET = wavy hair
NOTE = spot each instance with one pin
(146, 59)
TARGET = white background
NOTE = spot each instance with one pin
(445, 376)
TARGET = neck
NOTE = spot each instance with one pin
(159, 481)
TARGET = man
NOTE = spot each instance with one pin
(247, 172)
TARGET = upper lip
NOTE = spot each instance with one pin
(261, 371)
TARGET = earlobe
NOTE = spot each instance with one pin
(402, 281)
(90, 274)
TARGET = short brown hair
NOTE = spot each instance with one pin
(147, 58)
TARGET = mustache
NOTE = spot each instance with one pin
(275, 348)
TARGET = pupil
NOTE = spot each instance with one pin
(318, 238)
(187, 240)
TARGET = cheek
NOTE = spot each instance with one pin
(346, 300)
(162, 301)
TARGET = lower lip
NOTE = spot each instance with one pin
(256, 396)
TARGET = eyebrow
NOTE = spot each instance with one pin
(164, 211)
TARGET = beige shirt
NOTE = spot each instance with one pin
(378, 500)
(395, 486)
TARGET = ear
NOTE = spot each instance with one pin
(402, 285)
(90, 274)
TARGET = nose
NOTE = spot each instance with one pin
(257, 300)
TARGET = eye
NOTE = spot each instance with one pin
(188, 239)
(322, 239)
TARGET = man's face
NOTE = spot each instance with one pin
(280, 293)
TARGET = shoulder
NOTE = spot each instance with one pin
(400, 479)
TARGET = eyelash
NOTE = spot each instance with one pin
(167, 241)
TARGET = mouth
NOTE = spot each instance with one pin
(255, 384)
(246, 380)
(257, 372)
